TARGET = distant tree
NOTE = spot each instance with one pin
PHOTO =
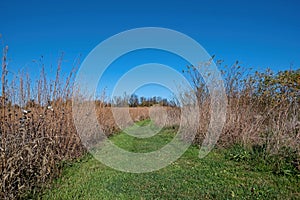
(133, 100)
(154, 101)
(164, 102)
(143, 101)
(158, 100)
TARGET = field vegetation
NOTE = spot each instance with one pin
(38, 136)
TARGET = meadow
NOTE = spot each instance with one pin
(257, 154)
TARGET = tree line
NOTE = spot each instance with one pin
(134, 100)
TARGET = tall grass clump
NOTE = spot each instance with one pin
(262, 111)
(37, 131)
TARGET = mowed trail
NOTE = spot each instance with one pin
(213, 177)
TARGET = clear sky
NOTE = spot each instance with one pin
(259, 34)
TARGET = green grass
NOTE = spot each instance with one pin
(214, 177)
(144, 145)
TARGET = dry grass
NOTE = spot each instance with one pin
(262, 112)
(35, 144)
(38, 133)
(124, 117)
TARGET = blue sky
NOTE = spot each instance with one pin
(259, 34)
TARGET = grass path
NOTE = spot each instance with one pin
(213, 177)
